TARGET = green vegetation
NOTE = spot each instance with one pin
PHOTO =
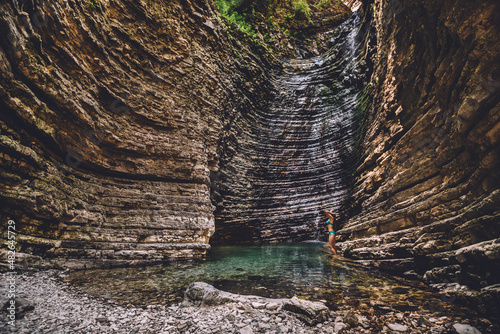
(228, 10)
(276, 25)
(325, 4)
(94, 4)
(301, 8)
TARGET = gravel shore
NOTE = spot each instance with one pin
(61, 308)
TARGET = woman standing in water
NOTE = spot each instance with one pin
(331, 231)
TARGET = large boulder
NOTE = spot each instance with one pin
(21, 306)
(309, 312)
(203, 294)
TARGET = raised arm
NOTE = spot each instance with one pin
(331, 216)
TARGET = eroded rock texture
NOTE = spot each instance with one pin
(112, 113)
(426, 196)
(292, 159)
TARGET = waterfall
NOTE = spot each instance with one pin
(297, 154)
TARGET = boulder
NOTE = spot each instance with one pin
(204, 294)
(309, 312)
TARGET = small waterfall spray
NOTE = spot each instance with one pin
(294, 157)
(305, 141)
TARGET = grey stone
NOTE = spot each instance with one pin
(22, 305)
(258, 306)
(398, 327)
(307, 311)
(246, 330)
(272, 306)
(264, 326)
(465, 329)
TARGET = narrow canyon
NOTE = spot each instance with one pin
(141, 132)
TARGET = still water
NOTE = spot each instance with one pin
(307, 270)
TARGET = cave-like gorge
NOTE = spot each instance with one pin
(140, 132)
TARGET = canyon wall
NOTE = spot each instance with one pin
(293, 159)
(112, 117)
(426, 197)
(131, 131)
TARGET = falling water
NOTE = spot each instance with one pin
(302, 147)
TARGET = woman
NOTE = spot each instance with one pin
(331, 231)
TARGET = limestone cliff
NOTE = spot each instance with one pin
(426, 197)
(112, 115)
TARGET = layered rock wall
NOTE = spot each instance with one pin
(292, 159)
(426, 195)
(112, 113)
(125, 125)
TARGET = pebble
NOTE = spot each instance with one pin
(339, 326)
(398, 327)
(246, 330)
(264, 326)
(272, 306)
(258, 306)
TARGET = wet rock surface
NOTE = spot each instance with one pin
(60, 308)
(293, 159)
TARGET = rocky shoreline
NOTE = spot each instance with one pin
(61, 308)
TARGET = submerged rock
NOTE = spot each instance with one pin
(351, 319)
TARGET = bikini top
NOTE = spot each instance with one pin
(328, 222)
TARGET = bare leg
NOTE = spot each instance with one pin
(331, 243)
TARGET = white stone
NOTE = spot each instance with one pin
(246, 330)
(398, 327)
(265, 326)
(339, 326)
(272, 306)
(465, 329)
(258, 306)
